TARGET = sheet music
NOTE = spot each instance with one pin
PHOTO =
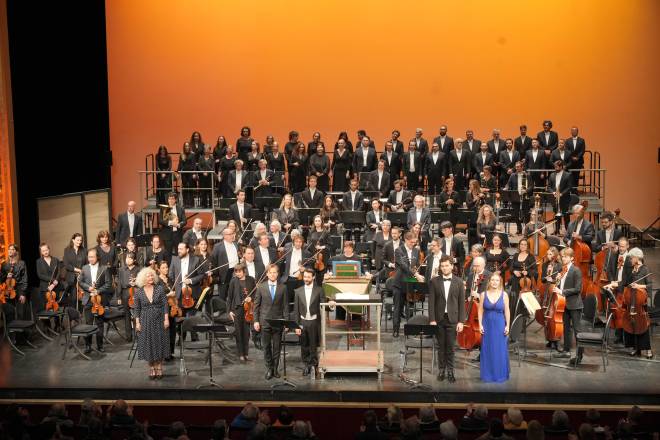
(530, 301)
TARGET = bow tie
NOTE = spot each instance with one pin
(446, 279)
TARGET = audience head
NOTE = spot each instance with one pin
(285, 416)
(251, 411)
(301, 429)
(481, 412)
(592, 416)
(560, 420)
(370, 420)
(427, 414)
(410, 428)
(448, 430)
(586, 432)
(177, 429)
(514, 416)
(535, 431)
(496, 427)
(394, 414)
(219, 431)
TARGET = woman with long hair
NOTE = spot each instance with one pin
(494, 319)
(186, 169)
(163, 175)
(329, 214)
(297, 164)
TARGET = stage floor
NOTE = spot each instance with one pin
(42, 374)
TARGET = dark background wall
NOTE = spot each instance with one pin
(60, 102)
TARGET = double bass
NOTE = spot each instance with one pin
(470, 337)
(554, 317)
(602, 262)
(582, 258)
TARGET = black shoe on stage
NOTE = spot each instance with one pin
(269, 375)
(450, 376)
(276, 373)
(441, 375)
(88, 349)
(100, 350)
(563, 355)
(395, 333)
(307, 370)
(574, 362)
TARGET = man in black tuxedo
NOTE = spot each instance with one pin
(392, 161)
(446, 143)
(307, 312)
(364, 159)
(240, 211)
(535, 159)
(522, 142)
(270, 303)
(435, 169)
(397, 145)
(172, 223)
(407, 262)
(183, 271)
(547, 138)
(390, 248)
(421, 145)
(312, 197)
(559, 183)
(192, 235)
(238, 178)
(481, 159)
(472, 144)
(94, 280)
(352, 200)
(447, 311)
(521, 183)
(253, 268)
(579, 228)
(263, 253)
(129, 224)
(225, 258)
(400, 199)
(379, 180)
(261, 180)
(412, 167)
(460, 166)
(619, 273)
(577, 147)
(570, 287)
(608, 235)
(419, 214)
(508, 159)
(295, 261)
(563, 154)
(452, 246)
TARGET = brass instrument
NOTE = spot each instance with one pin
(524, 186)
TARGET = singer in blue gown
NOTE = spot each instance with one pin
(494, 324)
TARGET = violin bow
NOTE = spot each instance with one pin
(263, 275)
(245, 229)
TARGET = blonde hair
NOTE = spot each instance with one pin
(141, 278)
(481, 218)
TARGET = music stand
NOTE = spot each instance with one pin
(352, 217)
(225, 203)
(281, 324)
(307, 214)
(143, 241)
(438, 217)
(420, 330)
(364, 180)
(398, 218)
(210, 328)
(268, 203)
(371, 195)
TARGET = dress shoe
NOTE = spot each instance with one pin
(563, 355)
(395, 333)
(100, 350)
(170, 358)
(276, 374)
(441, 375)
(450, 376)
(307, 370)
(269, 375)
(574, 362)
(88, 350)
(477, 359)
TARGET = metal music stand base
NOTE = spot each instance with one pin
(211, 337)
(282, 324)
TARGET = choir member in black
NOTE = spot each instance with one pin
(435, 169)
(329, 214)
(361, 134)
(381, 238)
(347, 143)
(270, 303)
(164, 175)
(472, 144)
(307, 312)
(74, 258)
(157, 253)
(127, 276)
(254, 268)
(129, 224)
(486, 223)
(262, 179)
(481, 159)
(562, 153)
(450, 245)
(240, 292)
(187, 169)
(297, 168)
(293, 143)
(523, 264)
(268, 145)
(227, 164)
(497, 258)
(400, 199)
(49, 272)
(219, 151)
(570, 286)
(287, 214)
(579, 227)
(295, 261)
(238, 178)
(447, 311)
(374, 220)
(106, 251)
(318, 240)
(523, 142)
(206, 167)
(14, 268)
(475, 198)
(421, 144)
(521, 189)
(276, 159)
(244, 144)
(460, 165)
(94, 280)
(319, 166)
(559, 183)
(171, 224)
(352, 200)
(413, 170)
(488, 182)
(639, 279)
(184, 271)
(196, 144)
(496, 146)
(547, 138)
(166, 283)
(364, 158)
(314, 143)
(312, 197)
(508, 160)
(407, 262)
(449, 199)
(397, 145)
(535, 160)
(608, 235)
(577, 147)
(379, 180)
(253, 157)
(392, 162)
(341, 166)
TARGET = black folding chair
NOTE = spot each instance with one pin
(77, 330)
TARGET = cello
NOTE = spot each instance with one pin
(602, 262)
(636, 320)
(554, 317)
(582, 257)
(470, 337)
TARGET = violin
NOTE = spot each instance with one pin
(319, 265)
(525, 282)
(9, 286)
(97, 306)
(172, 302)
(131, 298)
(51, 296)
(248, 307)
(554, 318)
(186, 296)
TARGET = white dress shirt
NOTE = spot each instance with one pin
(184, 267)
(412, 161)
(93, 271)
(365, 156)
(241, 209)
(563, 279)
(380, 178)
(547, 138)
(535, 153)
(239, 180)
(435, 265)
(232, 254)
(447, 285)
(296, 259)
(265, 256)
(131, 223)
(308, 299)
(252, 271)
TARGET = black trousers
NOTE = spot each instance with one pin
(434, 188)
(241, 332)
(205, 194)
(128, 315)
(291, 285)
(413, 182)
(446, 338)
(571, 327)
(520, 213)
(90, 319)
(271, 341)
(309, 342)
(400, 305)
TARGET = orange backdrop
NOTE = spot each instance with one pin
(214, 65)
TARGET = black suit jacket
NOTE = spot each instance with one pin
(568, 161)
(267, 308)
(425, 218)
(509, 163)
(405, 267)
(476, 146)
(478, 161)
(103, 283)
(406, 199)
(123, 229)
(586, 231)
(235, 295)
(538, 164)
(573, 288)
(167, 233)
(512, 183)
(460, 167)
(455, 300)
(457, 249)
(219, 257)
(346, 201)
(384, 188)
(231, 180)
(448, 146)
(417, 159)
(438, 170)
(577, 151)
(394, 166)
(601, 239)
(47, 274)
(196, 277)
(272, 255)
(482, 286)
(553, 140)
(565, 185)
(287, 263)
(313, 202)
(300, 303)
(388, 252)
(234, 214)
(358, 160)
(264, 190)
(521, 146)
(423, 146)
(501, 146)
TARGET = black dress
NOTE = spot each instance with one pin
(442, 200)
(253, 161)
(108, 259)
(243, 147)
(226, 165)
(528, 264)
(341, 165)
(163, 181)
(495, 262)
(320, 164)
(153, 340)
(188, 182)
(206, 177)
(297, 173)
(642, 341)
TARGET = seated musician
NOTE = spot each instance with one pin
(15, 268)
(451, 245)
(381, 238)
(259, 230)
(379, 180)
(449, 199)
(312, 197)
(353, 199)
(329, 214)
(476, 250)
(294, 263)
(287, 214)
(238, 178)
(374, 220)
(419, 214)
(497, 258)
(608, 235)
(240, 211)
(262, 179)
(278, 239)
(579, 228)
(399, 200)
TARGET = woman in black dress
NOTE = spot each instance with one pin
(151, 322)
(206, 167)
(485, 223)
(74, 258)
(298, 169)
(241, 289)
(497, 258)
(523, 264)
(253, 158)
(131, 246)
(187, 167)
(156, 253)
(164, 176)
(475, 196)
(330, 214)
(268, 145)
(244, 144)
(311, 146)
(448, 200)
(287, 214)
(226, 165)
(219, 151)
(488, 183)
(319, 166)
(106, 252)
(196, 145)
(318, 241)
(341, 167)
(276, 160)
(347, 143)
